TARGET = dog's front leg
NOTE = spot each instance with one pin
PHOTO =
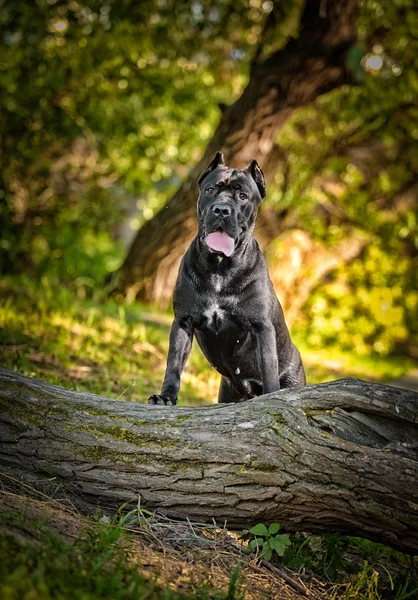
(181, 337)
(267, 354)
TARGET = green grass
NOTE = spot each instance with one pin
(330, 363)
(95, 345)
(95, 567)
(357, 567)
(368, 585)
(104, 562)
(99, 565)
(92, 344)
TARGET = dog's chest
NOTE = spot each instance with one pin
(217, 307)
(217, 283)
(215, 317)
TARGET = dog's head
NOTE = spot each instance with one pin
(228, 203)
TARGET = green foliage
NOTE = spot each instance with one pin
(300, 554)
(398, 572)
(365, 586)
(368, 585)
(233, 591)
(322, 555)
(100, 563)
(96, 566)
(267, 541)
(99, 105)
(364, 569)
(370, 305)
(351, 166)
(333, 546)
(89, 343)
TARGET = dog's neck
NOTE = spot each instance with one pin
(214, 262)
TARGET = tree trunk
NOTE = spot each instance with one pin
(294, 76)
(340, 456)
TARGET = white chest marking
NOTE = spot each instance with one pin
(217, 283)
(214, 314)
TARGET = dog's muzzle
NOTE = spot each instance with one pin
(221, 224)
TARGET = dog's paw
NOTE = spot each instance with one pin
(162, 400)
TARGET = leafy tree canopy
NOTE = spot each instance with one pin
(106, 101)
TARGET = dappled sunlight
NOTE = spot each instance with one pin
(103, 357)
(103, 354)
(205, 384)
(144, 346)
(67, 323)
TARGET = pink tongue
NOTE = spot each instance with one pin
(221, 242)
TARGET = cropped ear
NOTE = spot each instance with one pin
(218, 160)
(257, 174)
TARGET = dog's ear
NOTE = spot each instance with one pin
(257, 174)
(218, 160)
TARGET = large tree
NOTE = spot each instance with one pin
(280, 81)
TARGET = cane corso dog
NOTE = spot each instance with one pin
(224, 295)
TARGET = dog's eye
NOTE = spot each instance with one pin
(210, 190)
(243, 196)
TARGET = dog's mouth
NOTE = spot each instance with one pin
(220, 241)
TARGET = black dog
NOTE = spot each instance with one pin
(225, 297)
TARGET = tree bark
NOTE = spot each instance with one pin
(294, 76)
(340, 456)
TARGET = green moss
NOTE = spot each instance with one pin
(125, 435)
(278, 417)
(109, 413)
(278, 428)
(178, 466)
(23, 411)
(98, 412)
(98, 453)
(309, 412)
(260, 467)
(143, 439)
(140, 422)
(181, 418)
(20, 411)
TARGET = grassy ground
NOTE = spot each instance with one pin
(95, 345)
(51, 552)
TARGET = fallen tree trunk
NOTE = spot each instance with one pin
(337, 456)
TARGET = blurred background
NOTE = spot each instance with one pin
(110, 109)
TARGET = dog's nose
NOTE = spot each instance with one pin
(221, 210)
